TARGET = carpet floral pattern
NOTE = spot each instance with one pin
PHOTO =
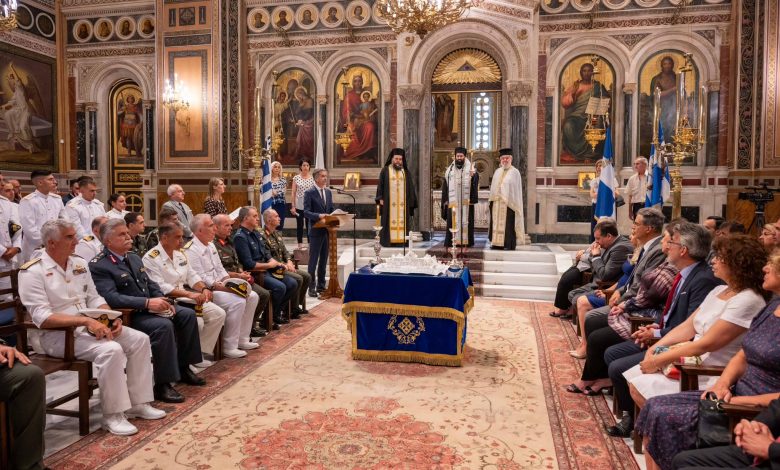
(300, 401)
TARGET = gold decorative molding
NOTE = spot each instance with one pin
(411, 96)
(520, 92)
(322, 100)
(467, 66)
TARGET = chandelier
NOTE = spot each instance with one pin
(8, 15)
(176, 100)
(422, 16)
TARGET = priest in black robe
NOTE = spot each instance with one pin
(459, 194)
(396, 199)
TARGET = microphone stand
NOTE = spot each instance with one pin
(354, 227)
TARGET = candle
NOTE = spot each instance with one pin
(240, 128)
(454, 218)
(258, 106)
(702, 119)
(656, 112)
(377, 215)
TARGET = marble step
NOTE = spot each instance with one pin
(520, 267)
(518, 292)
(520, 256)
(519, 279)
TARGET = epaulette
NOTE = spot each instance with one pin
(98, 257)
(29, 263)
(187, 245)
(88, 238)
(154, 253)
(56, 195)
(29, 196)
(73, 202)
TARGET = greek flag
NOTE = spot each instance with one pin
(660, 186)
(605, 201)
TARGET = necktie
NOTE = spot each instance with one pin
(641, 253)
(322, 194)
(183, 211)
(669, 299)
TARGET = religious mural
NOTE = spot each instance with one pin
(660, 71)
(27, 110)
(447, 125)
(128, 127)
(358, 98)
(579, 82)
(294, 111)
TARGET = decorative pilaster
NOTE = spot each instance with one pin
(92, 161)
(411, 97)
(713, 115)
(629, 89)
(322, 102)
(149, 161)
(81, 138)
(520, 94)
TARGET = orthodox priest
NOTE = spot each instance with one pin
(459, 194)
(506, 205)
(397, 199)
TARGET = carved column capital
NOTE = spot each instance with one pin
(90, 106)
(713, 85)
(411, 96)
(520, 92)
(322, 99)
(629, 88)
(148, 104)
(550, 91)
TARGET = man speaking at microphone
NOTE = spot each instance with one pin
(317, 204)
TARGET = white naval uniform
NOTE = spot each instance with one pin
(9, 215)
(89, 247)
(48, 289)
(173, 274)
(36, 209)
(115, 214)
(82, 212)
(204, 259)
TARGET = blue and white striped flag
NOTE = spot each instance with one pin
(660, 187)
(605, 201)
(266, 195)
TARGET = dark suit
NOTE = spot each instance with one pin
(608, 266)
(184, 214)
(251, 250)
(313, 206)
(732, 456)
(625, 355)
(175, 341)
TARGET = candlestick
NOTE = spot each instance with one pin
(377, 215)
(702, 119)
(656, 114)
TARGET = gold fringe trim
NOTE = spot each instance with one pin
(447, 313)
(409, 356)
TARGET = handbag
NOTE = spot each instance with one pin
(713, 428)
(619, 201)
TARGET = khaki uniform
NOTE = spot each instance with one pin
(36, 209)
(229, 258)
(82, 212)
(89, 247)
(124, 372)
(279, 252)
(171, 274)
(240, 311)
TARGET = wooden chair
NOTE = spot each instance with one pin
(259, 276)
(86, 383)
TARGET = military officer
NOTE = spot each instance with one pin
(37, 208)
(227, 255)
(136, 226)
(169, 268)
(57, 287)
(273, 240)
(83, 209)
(239, 307)
(10, 237)
(89, 246)
(166, 216)
(121, 279)
(253, 254)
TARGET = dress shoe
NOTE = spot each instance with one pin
(295, 315)
(117, 423)
(320, 289)
(276, 327)
(188, 377)
(168, 394)
(280, 320)
(233, 353)
(145, 411)
(247, 345)
(258, 332)
(204, 363)
(623, 427)
(304, 312)
(313, 293)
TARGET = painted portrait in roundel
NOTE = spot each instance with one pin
(660, 72)
(579, 82)
(295, 109)
(358, 100)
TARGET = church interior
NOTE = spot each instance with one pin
(143, 98)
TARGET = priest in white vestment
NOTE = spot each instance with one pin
(506, 205)
(459, 194)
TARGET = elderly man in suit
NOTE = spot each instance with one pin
(317, 204)
(183, 211)
(688, 250)
(121, 279)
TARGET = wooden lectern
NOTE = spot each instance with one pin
(332, 223)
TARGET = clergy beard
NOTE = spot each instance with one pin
(459, 164)
(506, 165)
(398, 167)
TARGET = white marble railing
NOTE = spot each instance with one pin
(481, 211)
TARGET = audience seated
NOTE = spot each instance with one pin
(168, 266)
(166, 216)
(769, 236)
(752, 377)
(83, 209)
(717, 326)
(239, 309)
(176, 203)
(89, 246)
(135, 227)
(57, 287)
(571, 278)
(121, 279)
(713, 223)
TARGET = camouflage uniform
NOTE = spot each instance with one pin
(279, 252)
(227, 254)
(139, 245)
(152, 239)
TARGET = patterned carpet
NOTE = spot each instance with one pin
(301, 402)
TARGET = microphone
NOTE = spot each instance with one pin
(340, 191)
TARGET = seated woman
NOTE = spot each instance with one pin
(654, 287)
(752, 377)
(588, 302)
(717, 326)
(769, 237)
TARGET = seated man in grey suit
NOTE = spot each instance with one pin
(183, 211)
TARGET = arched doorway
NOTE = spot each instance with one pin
(466, 108)
(126, 144)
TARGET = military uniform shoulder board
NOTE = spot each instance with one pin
(89, 238)
(30, 263)
(29, 196)
(187, 245)
(154, 253)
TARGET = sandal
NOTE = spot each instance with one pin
(573, 388)
(589, 392)
(559, 315)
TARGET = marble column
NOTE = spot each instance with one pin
(81, 138)
(411, 97)
(713, 116)
(322, 133)
(91, 125)
(520, 95)
(149, 129)
(628, 104)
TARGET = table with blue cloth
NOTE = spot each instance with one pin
(408, 317)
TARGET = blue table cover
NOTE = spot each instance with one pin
(408, 317)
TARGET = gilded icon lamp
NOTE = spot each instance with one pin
(344, 138)
(597, 118)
